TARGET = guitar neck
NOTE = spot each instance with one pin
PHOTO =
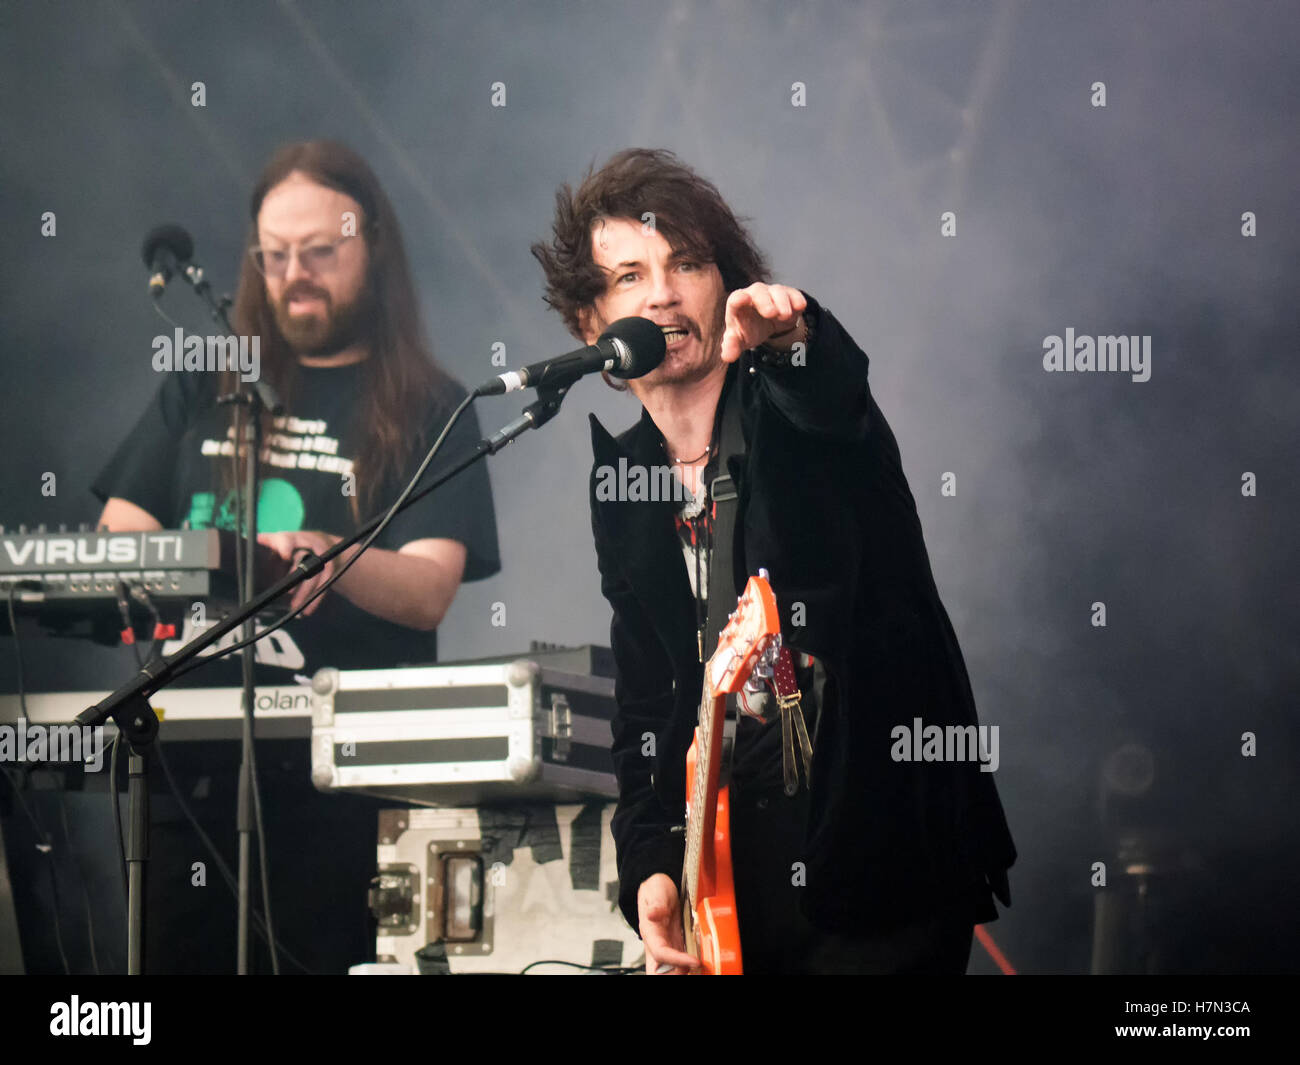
(702, 817)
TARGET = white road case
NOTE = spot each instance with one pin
(500, 890)
(463, 735)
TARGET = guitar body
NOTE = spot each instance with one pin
(716, 930)
(749, 641)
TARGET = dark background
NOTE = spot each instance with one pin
(1071, 488)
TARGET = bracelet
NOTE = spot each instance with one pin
(769, 356)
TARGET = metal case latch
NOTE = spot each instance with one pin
(561, 726)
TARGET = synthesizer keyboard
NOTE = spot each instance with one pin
(72, 581)
(282, 712)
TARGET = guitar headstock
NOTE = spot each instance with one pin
(752, 628)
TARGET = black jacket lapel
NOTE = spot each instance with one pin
(640, 535)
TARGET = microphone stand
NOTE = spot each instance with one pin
(135, 719)
(244, 816)
(129, 707)
(256, 400)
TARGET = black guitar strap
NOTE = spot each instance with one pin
(725, 497)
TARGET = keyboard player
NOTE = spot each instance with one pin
(326, 287)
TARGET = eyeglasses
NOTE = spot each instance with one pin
(314, 258)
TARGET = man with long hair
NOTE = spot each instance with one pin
(326, 289)
(883, 864)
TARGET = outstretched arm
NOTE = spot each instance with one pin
(813, 372)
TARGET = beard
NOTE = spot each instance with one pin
(697, 360)
(337, 329)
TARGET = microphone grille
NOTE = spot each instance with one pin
(173, 237)
(640, 344)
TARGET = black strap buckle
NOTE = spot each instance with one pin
(722, 489)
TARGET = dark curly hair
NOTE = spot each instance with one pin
(688, 211)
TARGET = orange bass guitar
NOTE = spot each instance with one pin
(750, 641)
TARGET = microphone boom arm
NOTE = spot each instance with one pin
(534, 416)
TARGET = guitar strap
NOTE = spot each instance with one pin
(725, 496)
(725, 584)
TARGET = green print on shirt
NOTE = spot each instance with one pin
(279, 509)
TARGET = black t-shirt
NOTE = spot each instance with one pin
(168, 466)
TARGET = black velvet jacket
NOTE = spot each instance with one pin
(825, 507)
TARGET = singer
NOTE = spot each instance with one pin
(883, 866)
(326, 286)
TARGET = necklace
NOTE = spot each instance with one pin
(698, 458)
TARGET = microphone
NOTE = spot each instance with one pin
(629, 348)
(266, 395)
(165, 250)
